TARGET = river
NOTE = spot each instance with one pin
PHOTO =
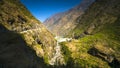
(58, 58)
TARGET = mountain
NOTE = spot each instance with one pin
(15, 53)
(23, 39)
(94, 42)
(96, 38)
(61, 23)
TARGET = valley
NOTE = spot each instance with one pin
(95, 35)
(85, 36)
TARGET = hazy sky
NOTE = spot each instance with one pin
(42, 9)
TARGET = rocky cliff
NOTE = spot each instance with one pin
(60, 24)
(22, 35)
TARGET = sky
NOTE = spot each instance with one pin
(43, 9)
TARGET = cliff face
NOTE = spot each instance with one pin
(96, 37)
(62, 23)
(17, 19)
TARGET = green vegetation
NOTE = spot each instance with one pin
(97, 36)
(65, 51)
(79, 56)
(106, 41)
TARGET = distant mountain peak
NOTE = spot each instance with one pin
(62, 23)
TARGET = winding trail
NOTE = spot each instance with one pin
(30, 30)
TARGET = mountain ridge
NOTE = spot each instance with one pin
(65, 20)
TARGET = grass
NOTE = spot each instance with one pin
(105, 37)
(106, 41)
(80, 56)
(66, 52)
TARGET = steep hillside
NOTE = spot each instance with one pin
(17, 19)
(60, 24)
(15, 53)
(96, 41)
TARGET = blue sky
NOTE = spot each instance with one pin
(42, 9)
